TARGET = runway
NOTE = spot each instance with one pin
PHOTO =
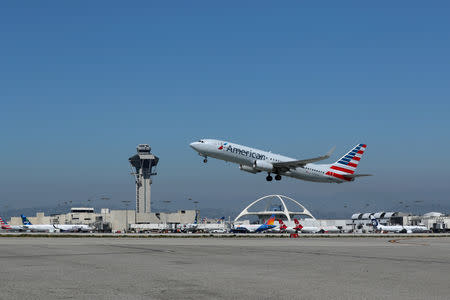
(214, 268)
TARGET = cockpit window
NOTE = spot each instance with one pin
(201, 141)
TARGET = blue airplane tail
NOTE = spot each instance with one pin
(25, 220)
(374, 221)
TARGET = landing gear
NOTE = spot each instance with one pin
(205, 160)
(278, 177)
(269, 178)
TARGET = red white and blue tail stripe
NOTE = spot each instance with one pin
(4, 224)
(347, 164)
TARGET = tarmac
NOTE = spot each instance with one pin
(224, 268)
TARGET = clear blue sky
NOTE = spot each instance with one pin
(81, 83)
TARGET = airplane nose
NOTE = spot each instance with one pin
(194, 145)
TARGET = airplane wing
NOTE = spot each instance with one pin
(287, 165)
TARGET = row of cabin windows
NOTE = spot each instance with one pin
(315, 170)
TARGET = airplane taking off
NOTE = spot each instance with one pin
(270, 223)
(254, 161)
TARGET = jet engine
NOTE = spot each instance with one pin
(248, 169)
(262, 165)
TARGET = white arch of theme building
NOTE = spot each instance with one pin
(284, 212)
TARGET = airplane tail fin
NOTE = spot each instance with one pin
(298, 226)
(282, 225)
(271, 220)
(346, 166)
(374, 221)
(4, 224)
(25, 220)
(196, 217)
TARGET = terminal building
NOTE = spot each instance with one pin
(108, 220)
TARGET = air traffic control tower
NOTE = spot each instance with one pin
(143, 164)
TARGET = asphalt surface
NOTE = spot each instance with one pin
(213, 268)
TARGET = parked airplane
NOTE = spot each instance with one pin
(289, 229)
(54, 227)
(254, 161)
(6, 226)
(191, 227)
(257, 227)
(397, 228)
(308, 229)
(314, 229)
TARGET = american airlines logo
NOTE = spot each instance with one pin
(247, 153)
(221, 146)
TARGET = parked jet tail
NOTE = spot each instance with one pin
(374, 221)
(270, 221)
(282, 225)
(298, 226)
(4, 224)
(346, 166)
(25, 220)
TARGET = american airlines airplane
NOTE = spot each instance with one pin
(254, 161)
(6, 226)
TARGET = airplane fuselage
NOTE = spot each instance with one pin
(57, 228)
(400, 228)
(255, 227)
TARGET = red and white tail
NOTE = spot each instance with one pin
(346, 166)
(2, 222)
(282, 225)
(298, 226)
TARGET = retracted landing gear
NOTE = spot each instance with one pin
(278, 177)
(269, 178)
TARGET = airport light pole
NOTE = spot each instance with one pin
(167, 212)
(196, 210)
(5, 208)
(126, 203)
(104, 198)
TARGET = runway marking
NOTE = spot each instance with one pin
(141, 250)
(399, 241)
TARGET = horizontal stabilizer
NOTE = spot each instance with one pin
(356, 175)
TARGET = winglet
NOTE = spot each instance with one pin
(330, 152)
